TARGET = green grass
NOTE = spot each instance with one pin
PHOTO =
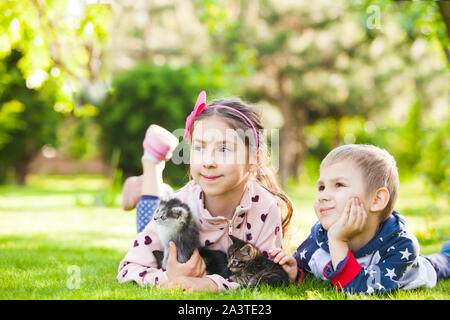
(50, 229)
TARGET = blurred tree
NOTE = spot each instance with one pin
(144, 95)
(32, 122)
(332, 60)
(46, 49)
(433, 18)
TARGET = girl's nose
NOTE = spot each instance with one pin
(208, 159)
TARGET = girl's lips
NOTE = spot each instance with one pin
(210, 178)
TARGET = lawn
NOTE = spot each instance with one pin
(58, 242)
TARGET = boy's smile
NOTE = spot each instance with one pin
(337, 183)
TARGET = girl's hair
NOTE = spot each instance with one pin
(264, 174)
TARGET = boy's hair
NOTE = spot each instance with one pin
(378, 167)
(264, 175)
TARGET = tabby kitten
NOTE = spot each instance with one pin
(250, 268)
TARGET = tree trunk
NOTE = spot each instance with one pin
(21, 166)
(286, 133)
(444, 9)
(337, 133)
(21, 170)
(301, 119)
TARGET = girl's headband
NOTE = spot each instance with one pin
(200, 105)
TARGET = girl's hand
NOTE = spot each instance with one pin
(191, 284)
(288, 263)
(350, 223)
(194, 267)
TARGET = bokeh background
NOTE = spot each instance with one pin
(81, 80)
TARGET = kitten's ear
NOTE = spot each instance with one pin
(161, 204)
(233, 238)
(248, 252)
(179, 211)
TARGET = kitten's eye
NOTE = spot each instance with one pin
(234, 263)
(163, 218)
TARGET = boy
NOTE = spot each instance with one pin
(360, 243)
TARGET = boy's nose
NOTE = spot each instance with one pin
(324, 196)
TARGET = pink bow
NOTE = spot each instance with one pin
(199, 107)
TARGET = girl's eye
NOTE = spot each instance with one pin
(224, 149)
(339, 185)
(198, 148)
(321, 188)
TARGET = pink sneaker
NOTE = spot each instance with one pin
(158, 144)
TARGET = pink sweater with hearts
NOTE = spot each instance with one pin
(256, 220)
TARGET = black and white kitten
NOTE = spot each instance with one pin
(250, 268)
(175, 222)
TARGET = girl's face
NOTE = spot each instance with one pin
(218, 157)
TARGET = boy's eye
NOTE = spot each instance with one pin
(321, 188)
(224, 149)
(198, 148)
(339, 185)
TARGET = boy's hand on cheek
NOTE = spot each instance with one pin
(350, 223)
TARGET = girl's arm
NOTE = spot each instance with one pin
(140, 264)
(271, 233)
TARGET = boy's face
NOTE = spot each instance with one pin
(337, 183)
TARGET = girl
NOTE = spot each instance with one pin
(231, 192)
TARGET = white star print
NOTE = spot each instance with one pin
(405, 254)
(390, 273)
(303, 254)
(391, 248)
(404, 234)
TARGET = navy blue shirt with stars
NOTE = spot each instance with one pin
(389, 261)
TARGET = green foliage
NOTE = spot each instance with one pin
(420, 147)
(434, 159)
(144, 95)
(46, 48)
(29, 119)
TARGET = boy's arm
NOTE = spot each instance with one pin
(382, 277)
